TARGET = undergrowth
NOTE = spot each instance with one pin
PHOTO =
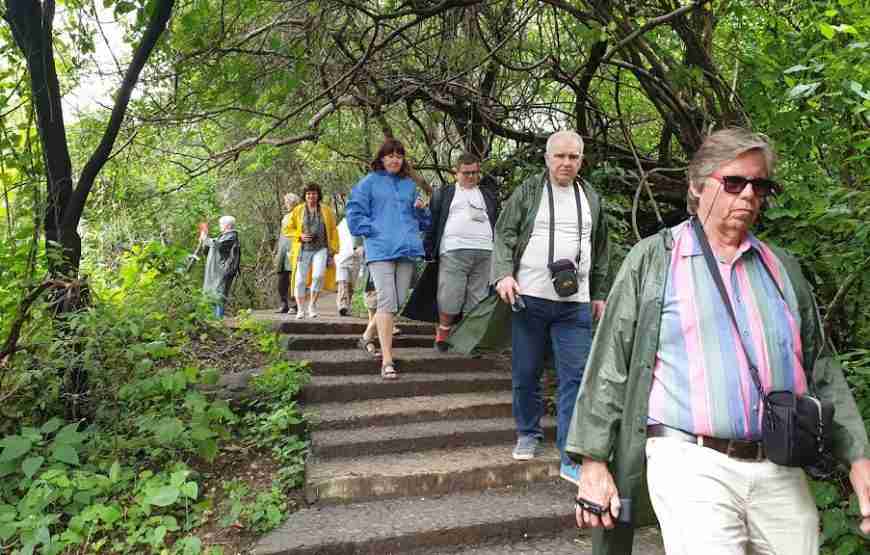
(123, 477)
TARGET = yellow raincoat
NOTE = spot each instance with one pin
(293, 230)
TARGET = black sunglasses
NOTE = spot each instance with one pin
(734, 184)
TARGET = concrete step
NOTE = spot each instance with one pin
(449, 434)
(372, 386)
(322, 342)
(410, 524)
(647, 541)
(410, 360)
(424, 473)
(404, 410)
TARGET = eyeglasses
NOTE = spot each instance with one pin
(734, 184)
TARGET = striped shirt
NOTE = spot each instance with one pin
(701, 379)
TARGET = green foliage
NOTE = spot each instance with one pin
(839, 513)
(261, 512)
(273, 419)
(124, 483)
(56, 495)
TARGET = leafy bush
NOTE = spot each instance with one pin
(123, 480)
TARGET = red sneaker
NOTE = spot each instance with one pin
(441, 334)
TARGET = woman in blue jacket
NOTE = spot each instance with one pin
(385, 211)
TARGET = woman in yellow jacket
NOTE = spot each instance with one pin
(313, 238)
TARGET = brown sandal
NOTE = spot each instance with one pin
(388, 372)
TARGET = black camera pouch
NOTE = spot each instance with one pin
(563, 273)
(796, 429)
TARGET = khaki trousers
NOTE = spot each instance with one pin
(711, 504)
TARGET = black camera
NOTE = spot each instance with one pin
(563, 273)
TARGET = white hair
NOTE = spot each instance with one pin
(227, 222)
(720, 148)
(565, 134)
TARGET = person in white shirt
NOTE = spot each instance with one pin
(347, 263)
(550, 262)
(463, 220)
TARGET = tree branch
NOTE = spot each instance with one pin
(156, 26)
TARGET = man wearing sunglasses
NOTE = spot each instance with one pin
(702, 318)
(463, 218)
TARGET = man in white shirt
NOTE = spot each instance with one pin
(463, 218)
(347, 263)
(552, 226)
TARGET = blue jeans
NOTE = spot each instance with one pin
(568, 326)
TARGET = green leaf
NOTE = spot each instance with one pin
(825, 494)
(827, 31)
(190, 545)
(65, 453)
(848, 546)
(163, 496)
(178, 477)
(69, 434)
(31, 465)
(115, 472)
(14, 447)
(110, 514)
(802, 90)
(190, 490)
(169, 429)
(795, 69)
(51, 426)
(858, 89)
(833, 524)
(7, 531)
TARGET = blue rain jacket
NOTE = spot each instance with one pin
(381, 210)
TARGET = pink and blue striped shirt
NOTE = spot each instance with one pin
(701, 379)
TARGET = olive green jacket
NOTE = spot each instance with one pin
(488, 326)
(610, 418)
(517, 220)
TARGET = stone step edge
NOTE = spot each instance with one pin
(413, 437)
(364, 487)
(413, 385)
(423, 523)
(431, 408)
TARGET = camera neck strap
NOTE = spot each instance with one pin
(713, 266)
(576, 188)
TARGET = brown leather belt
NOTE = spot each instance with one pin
(734, 448)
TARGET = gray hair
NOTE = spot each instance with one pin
(292, 198)
(563, 135)
(227, 221)
(722, 147)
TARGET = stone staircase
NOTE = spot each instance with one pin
(421, 464)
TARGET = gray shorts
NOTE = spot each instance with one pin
(463, 280)
(392, 281)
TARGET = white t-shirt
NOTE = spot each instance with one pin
(533, 276)
(467, 225)
(345, 243)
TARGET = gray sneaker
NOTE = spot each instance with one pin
(527, 447)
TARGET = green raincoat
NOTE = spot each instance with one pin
(488, 326)
(610, 419)
(221, 265)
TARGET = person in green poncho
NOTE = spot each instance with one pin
(222, 263)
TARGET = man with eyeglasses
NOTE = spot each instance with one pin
(463, 218)
(704, 320)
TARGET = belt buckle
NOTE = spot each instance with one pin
(731, 449)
